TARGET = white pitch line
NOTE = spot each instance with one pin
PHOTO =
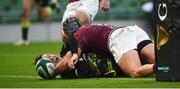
(18, 54)
(138, 79)
(148, 79)
(135, 78)
(18, 76)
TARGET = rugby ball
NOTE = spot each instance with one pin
(45, 68)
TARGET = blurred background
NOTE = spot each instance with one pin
(121, 13)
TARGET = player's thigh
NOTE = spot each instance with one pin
(89, 8)
(148, 53)
(82, 17)
(129, 62)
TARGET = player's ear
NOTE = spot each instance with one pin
(37, 58)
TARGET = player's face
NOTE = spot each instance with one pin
(52, 57)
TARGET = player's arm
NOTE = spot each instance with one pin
(65, 54)
(65, 63)
(105, 5)
(73, 60)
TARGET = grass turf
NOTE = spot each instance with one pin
(17, 71)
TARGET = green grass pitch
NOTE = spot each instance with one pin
(17, 71)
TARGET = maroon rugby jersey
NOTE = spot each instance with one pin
(94, 38)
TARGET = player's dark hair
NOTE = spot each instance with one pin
(37, 58)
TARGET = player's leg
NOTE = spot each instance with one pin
(87, 11)
(82, 17)
(145, 46)
(42, 13)
(44, 8)
(148, 53)
(84, 10)
(122, 44)
(27, 6)
(78, 10)
(25, 24)
(131, 59)
(131, 65)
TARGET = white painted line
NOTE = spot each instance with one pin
(138, 79)
(18, 54)
(19, 76)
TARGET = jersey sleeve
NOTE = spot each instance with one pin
(64, 50)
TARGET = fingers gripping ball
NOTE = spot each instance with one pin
(45, 68)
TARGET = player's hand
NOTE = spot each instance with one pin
(72, 61)
(105, 5)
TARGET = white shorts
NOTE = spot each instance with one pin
(89, 7)
(125, 39)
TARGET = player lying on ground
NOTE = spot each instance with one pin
(126, 44)
(88, 66)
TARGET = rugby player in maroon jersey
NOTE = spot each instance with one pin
(127, 45)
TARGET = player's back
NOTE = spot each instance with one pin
(93, 38)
